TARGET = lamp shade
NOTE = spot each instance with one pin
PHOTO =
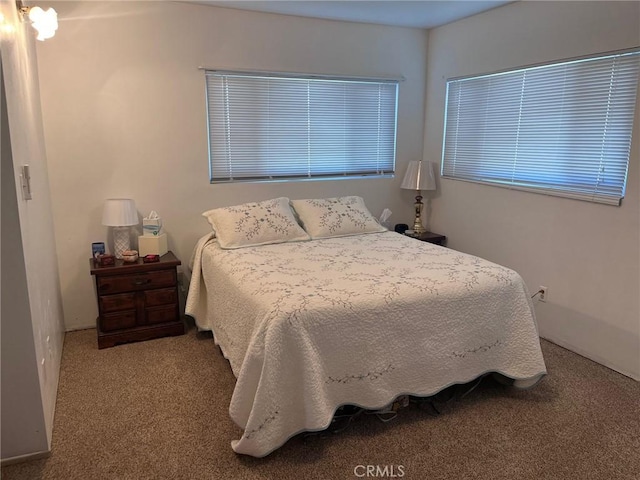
(119, 212)
(419, 176)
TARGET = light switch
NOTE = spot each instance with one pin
(25, 181)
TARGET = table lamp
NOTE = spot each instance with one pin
(121, 214)
(419, 176)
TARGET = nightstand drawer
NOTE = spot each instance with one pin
(118, 321)
(161, 314)
(116, 303)
(140, 281)
(160, 296)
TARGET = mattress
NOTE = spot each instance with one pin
(310, 326)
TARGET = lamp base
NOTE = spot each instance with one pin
(417, 222)
(121, 241)
(418, 227)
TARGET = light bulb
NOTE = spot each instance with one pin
(45, 22)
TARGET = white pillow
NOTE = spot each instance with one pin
(251, 224)
(336, 217)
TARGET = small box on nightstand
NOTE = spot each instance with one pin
(152, 245)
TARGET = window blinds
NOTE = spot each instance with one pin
(562, 129)
(278, 128)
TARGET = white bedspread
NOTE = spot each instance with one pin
(310, 326)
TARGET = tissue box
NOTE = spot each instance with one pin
(152, 245)
(151, 227)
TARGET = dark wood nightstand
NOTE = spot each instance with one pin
(137, 301)
(429, 237)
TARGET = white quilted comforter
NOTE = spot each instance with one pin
(310, 326)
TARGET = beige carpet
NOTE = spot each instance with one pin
(158, 409)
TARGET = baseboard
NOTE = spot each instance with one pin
(25, 458)
(77, 329)
(594, 358)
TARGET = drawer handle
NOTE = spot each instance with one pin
(137, 283)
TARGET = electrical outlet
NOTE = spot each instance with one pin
(543, 293)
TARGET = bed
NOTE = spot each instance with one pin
(320, 322)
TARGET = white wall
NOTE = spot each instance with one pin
(587, 255)
(124, 111)
(32, 319)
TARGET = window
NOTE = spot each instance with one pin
(280, 127)
(561, 129)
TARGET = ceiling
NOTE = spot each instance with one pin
(414, 13)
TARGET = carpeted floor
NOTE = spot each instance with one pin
(158, 410)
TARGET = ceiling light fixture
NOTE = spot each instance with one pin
(44, 21)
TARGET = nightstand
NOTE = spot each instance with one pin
(137, 301)
(429, 237)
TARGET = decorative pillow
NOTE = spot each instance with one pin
(251, 224)
(335, 217)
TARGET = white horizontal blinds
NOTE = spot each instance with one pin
(269, 127)
(248, 134)
(562, 129)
